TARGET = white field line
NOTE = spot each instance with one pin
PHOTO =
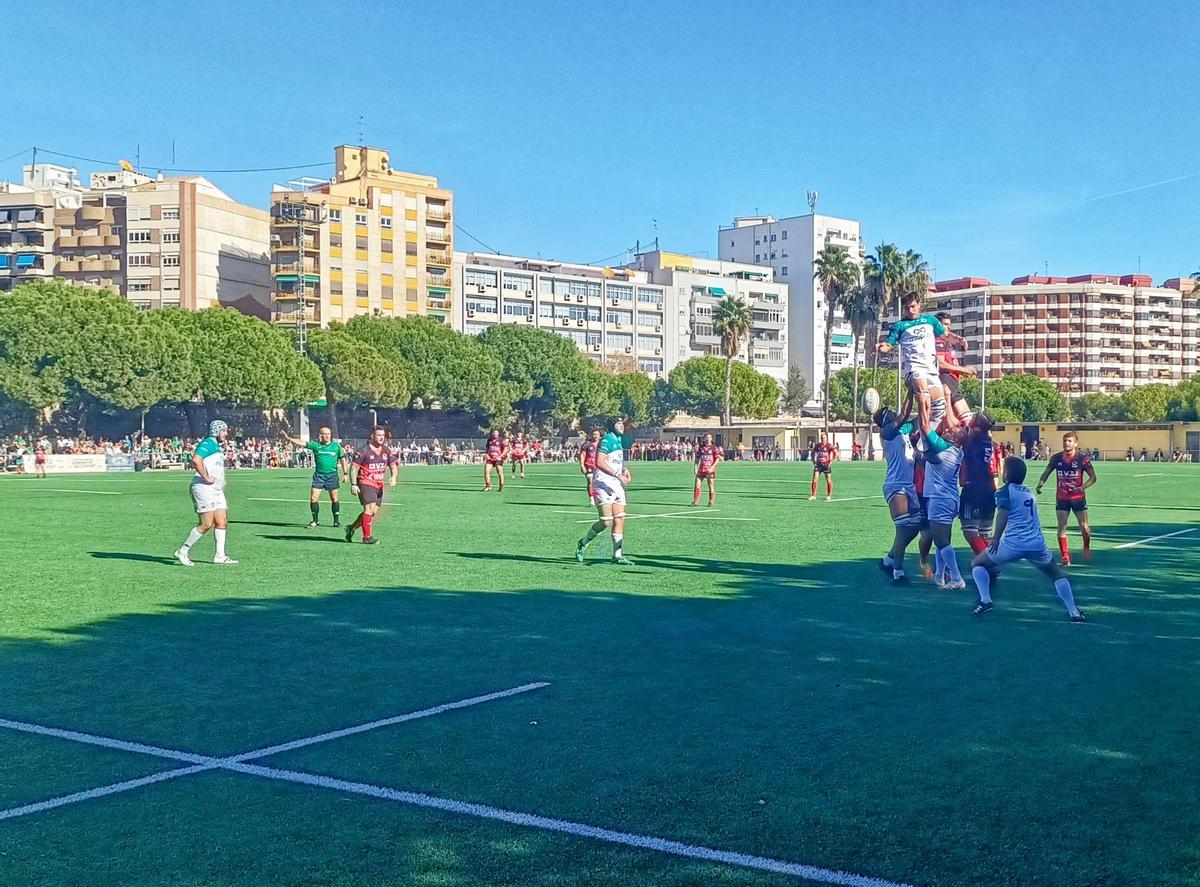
(94, 492)
(107, 742)
(103, 790)
(1156, 538)
(1151, 474)
(578, 829)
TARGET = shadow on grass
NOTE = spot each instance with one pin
(300, 537)
(133, 556)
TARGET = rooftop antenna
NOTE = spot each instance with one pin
(362, 130)
(1045, 268)
(813, 197)
(172, 152)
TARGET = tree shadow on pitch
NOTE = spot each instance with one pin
(133, 556)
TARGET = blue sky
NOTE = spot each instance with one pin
(984, 135)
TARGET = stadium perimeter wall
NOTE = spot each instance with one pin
(1112, 439)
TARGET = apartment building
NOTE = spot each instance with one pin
(27, 221)
(371, 240)
(617, 316)
(1091, 333)
(789, 246)
(698, 284)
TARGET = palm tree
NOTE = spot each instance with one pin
(731, 321)
(893, 273)
(861, 309)
(836, 273)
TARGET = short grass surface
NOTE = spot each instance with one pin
(752, 684)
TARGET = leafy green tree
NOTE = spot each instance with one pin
(1183, 405)
(1146, 403)
(1031, 398)
(842, 388)
(550, 381)
(1099, 407)
(732, 321)
(356, 373)
(446, 366)
(662, 403)
(633, 394)
(837, 274)
(697, 386)
(796, 391)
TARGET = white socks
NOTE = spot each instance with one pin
(948, 561)
(1063, 587)
(983, 581)
(219, 535)
(193, 537)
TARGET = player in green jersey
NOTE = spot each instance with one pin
(608, 491)
(330, 463)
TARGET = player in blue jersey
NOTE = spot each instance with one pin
(898, 489)
(977, 508)
(943, 459)
(1019, 537)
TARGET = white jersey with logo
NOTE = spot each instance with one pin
(1024, 527)
(898, 454)
(213, 457)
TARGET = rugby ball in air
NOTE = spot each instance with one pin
(870, 400)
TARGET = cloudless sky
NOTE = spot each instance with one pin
(985, 135)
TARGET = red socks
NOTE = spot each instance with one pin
(978, 544)
(696, 496)
(1062, 547)
(367, 520)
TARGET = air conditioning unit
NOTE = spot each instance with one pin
(481, 288)
(628, 349)
(362, 201)
(529, 318)
(529, 292)
(619, 326)
(566, 321)
(579, 322)
(616, 301)
(470, 312)
(658, 351)
(658, 328)
(595, 347)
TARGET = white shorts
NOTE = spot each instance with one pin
(942, 510)
(932, 379)
(606, 491)
(208, 497)
(914, 501)
(1007, 552)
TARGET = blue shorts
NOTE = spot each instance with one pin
(326, 481)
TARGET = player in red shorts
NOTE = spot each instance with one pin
(823, 464)
(587, 459)
(1075, 475)
(520, 453)
(367, 470)
(708, 455)
(39, 462)
(495, 451)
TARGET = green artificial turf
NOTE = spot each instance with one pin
(750, 685)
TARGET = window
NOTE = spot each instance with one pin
(783, 271)
(475, 277)
(139, 260)
(649, 318)
(335, 215)
(410, 202)
(141, 304)
(649, 343)
(518, 283)
(518, 309)
(545, 310)
(116, 229)
(386, 245)
(702, 329)
(650, 365)
(361, 291)
(616, 316)
(335, 239)
(620, 291)
(171, 285)
(783, 236)
(481, 306)
(620, 340)
(772, 238)
(170, 260)
(410, 249)
(170, 212)
(703, 311)
(757, 257)
(474, 329)
(170, 237)
(649, 296)
(360, 242)
(4, 261)
(545, 286)
(360, 218)
(140, 286)
(139, 236)
(29, 215)
(335, 287)
(385, 222)
(410, 225)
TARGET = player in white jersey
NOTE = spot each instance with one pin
(608, 492)
(208, 495)
(943, 459)
(1018, 536)
(916, 335)
(898, 489)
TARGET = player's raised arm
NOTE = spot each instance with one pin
(295, 441)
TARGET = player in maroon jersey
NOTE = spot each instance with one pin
(708, 455)
(823, 464)
(39, 462)
(367, 471)
(950, 370)
(587, 459)
(520, 452)
(1075, 475)
(495, 451)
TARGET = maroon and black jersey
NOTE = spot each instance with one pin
(495, 449)
(590, 449)
(518, 449)
(373, 465)
(823, 454)
(947, 352)
(707, 456)
(980, 461)
(1070, 474)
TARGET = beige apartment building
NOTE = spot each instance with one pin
(1092, 333)
(371, 240)
(28, 212)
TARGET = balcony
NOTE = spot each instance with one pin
(311, 294)
(68, 266)
(433, 212)
(283, 265)
(95, 214)
(68, 241)
(433, 303)
(438, 258)
(112, 240)
(91, 240)
(288, 243)
(309, 315)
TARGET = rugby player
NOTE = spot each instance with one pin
(208, 495)
(1018, 537)
(39, 461)
(822, 464)
(925, 544)
(979, 483)
(950, 369)
(942, 463)
(520, 453)
(708, 455)
(898, 490)
(609, 484)
(915, 334)
(330, 462)
(587, 459)
(1075, 475)
(367, 471)
(495, 451)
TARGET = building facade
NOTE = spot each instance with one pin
(371, 240)
(1092, 333)
(29, 215)
(790, 246)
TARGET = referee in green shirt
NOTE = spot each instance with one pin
(330, 463)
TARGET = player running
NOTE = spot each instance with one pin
(587, 459)
(495, 451)
(1018, 537)
(822, 464)
(979, 483)
(707, 456)
(208, 495)
(898, 489)
(520, 453)
(367, 471)
(915, 334)
(950, 369)
(942, 463)
(330, 462)
(609, 483)
(1075, 475)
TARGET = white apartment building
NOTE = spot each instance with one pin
(613, 315)
(790, 246)
(696, 285)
